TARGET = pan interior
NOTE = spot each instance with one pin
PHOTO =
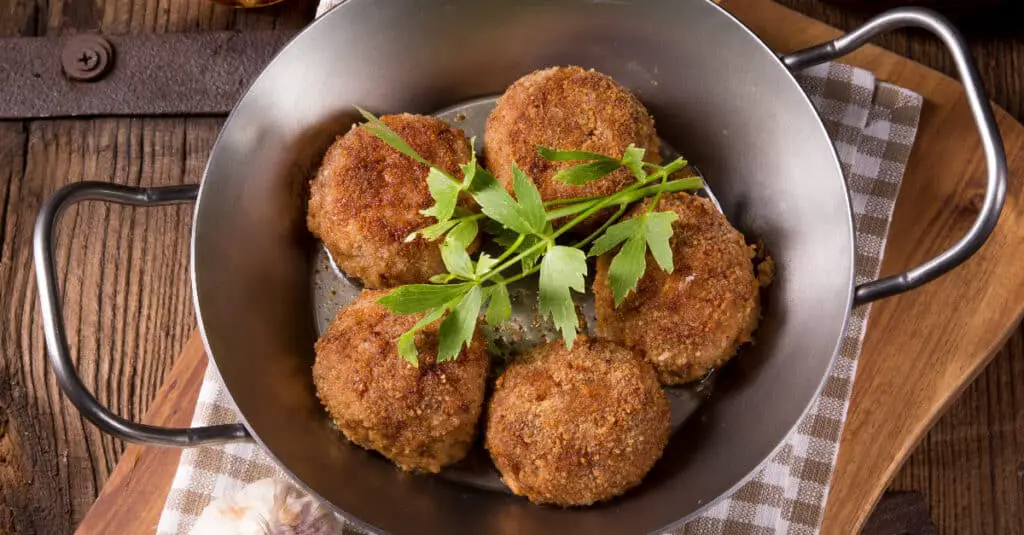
(717, 94)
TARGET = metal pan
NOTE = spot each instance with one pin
(718, 94)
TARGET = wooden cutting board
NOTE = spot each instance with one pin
(920, 351)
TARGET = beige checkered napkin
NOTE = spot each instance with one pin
(873, 126)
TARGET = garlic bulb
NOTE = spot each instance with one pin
(267, 507)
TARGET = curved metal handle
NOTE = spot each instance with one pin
(53, 319)
(995, 156)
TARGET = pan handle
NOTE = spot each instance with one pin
(995, 156)
(53, 319)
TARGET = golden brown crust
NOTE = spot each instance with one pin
(690, 321)
(422, 418)
(367, 197)
(576, 427)
(566, 108)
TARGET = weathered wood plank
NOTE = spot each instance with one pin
(143, 476)
(124, 271)
(126, 295)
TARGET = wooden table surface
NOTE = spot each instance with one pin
(130, 313)
(970, 466)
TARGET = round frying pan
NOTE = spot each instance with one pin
(719, 95)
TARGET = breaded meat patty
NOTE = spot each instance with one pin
(422, 418)
(366, 198)
(690, 321)
(566, 108)
(574, 427)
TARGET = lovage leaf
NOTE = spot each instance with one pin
(388, 136)
(413, 298)
(530, 203)
(433, 232)
(588, 172)
(658, 229)
(463, 234)
(628, 266)
(496, 203)
(485, 263)
(557, 155)
(499, 307)
(469, 168)
(633, 159)
(453, 251)
(407, 342)
(615, 235)
(562, 269)
(457, 329)
(445, 192)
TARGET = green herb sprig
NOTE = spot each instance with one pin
(525, 226)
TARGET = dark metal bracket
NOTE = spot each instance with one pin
(202, 73)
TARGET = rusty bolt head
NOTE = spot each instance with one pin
(87, 57)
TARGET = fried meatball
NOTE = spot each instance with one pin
(574, 427)
(366, 199)
(692, 320)
(566, 108)
(421, 417)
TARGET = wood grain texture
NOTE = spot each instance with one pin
(127, 305)
(970, 466)
(143, 472)
(917, 370)
(123, 271)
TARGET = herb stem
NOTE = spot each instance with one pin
(657, 197)
(522, 275)
(604, 226)
(574, 200)
(532, 249)
(624, 196)
(512, 248)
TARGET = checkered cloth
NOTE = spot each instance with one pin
(873, 125)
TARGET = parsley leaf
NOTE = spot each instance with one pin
(530, 202)
(562, 269)
(499, 308)
(457, 329)
(658, 232)
(588, 172)
(414, 298)
(633, 159)
(407, 342)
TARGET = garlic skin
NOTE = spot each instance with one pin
(267, 507)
